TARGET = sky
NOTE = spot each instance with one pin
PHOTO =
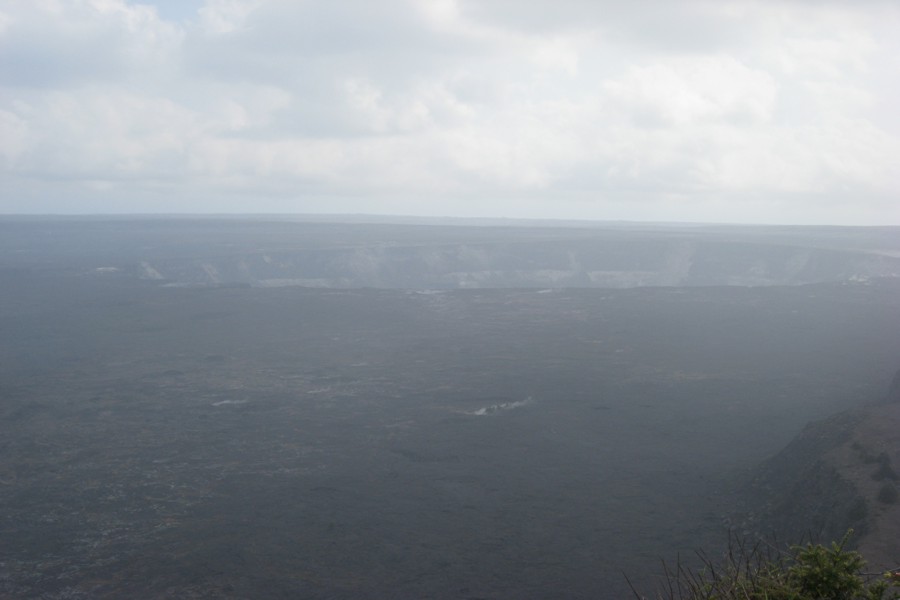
(653, 110)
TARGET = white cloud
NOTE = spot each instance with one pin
(690, 90)
(226, 16)
(591, 108)
(51, 44)
(13, 137)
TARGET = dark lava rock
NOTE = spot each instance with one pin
(800, 495)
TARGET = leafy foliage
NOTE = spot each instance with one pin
(761, 572)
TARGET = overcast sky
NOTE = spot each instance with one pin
(725, 111)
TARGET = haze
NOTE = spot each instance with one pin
(265, 407)
(440, 298)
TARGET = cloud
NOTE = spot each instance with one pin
(686, 91)
(724, 111)
(50, 44)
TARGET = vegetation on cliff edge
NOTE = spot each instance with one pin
(762, 572)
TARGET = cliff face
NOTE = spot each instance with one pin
(275, 253)
(558, 263)
(838, 474)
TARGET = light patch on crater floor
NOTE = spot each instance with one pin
(496, 409)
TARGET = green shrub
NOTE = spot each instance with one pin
(827, 573)
(761, 572)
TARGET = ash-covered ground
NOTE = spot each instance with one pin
(213, 441)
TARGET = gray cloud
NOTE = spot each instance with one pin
(711, 111)
(681, 27)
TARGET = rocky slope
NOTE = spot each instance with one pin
(557, 263)
(838, 474)
(277, 253)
